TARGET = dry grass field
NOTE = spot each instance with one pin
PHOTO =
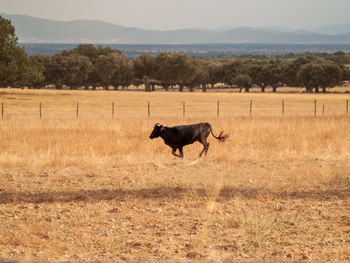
(97, 188)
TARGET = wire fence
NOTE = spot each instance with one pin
(184, 109)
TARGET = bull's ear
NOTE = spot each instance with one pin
(162, 128)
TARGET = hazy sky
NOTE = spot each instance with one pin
(175, 14)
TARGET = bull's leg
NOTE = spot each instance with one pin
(174, 152)
(204, 150)
(203, 140)
(181, 152)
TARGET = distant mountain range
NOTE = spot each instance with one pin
(36, 30)
(334, 30)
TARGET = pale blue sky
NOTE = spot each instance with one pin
(175, 14)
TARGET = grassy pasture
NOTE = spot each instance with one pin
(97, 188)
(62, 105)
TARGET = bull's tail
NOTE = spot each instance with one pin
(222, 137)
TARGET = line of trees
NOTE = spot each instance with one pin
(89, 67)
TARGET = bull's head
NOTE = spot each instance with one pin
(156, 131)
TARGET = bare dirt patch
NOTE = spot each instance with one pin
(103, 215)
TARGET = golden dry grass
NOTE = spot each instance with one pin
(99, 189)
(61, 105)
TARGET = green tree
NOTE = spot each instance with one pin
(215, 73)
(114, 69)
(320, 74)
(69, 69)
(76, 70)
(123, 71)
(202, 76)
(105, 65)
(266, 73)
(289, 72)
(35, 71)
(334, 75)
(346, 73)
(145, 65)
(176, 69)
(231, 69)
(312, 75)
(13, 58)
(290, 68)
(87, 50)
(54, 70)
(274, 70)
(254, 70)
(242, 81)
(340, 58)
(92, 53)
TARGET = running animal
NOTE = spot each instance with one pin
(179, 136)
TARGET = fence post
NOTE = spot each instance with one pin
(113, 110)
(40, 110)
(184, 108)
(77, 110)
(322, 109)
(347, 107)
(2, 110)
(282, 107)
(251, 108)
(218, 109)
(149, 110)
(315, 107)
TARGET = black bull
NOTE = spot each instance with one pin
(179, 136)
